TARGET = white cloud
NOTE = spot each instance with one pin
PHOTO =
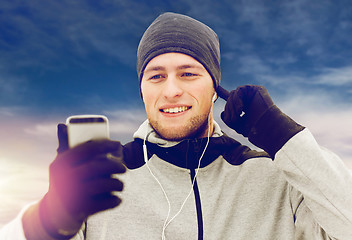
(6, 111)
(27, 139)
(123, 123)
(253, 64)
(286, 81)
(20, 184)
(335, 76)
(27, 147)
(329, 122)
(289, 18)
(133, 114)
(45, 130)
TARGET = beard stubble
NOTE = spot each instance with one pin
(195, 128)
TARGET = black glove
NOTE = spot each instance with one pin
(245, 106)
(80, 184)
(251, 112)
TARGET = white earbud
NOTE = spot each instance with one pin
(214, 97)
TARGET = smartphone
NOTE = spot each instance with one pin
(83, 128)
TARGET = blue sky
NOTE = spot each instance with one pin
(59, 58)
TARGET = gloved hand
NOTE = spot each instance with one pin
(80, 184)
(245, 106)
(251, 112)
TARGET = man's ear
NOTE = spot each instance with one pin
(140, 90)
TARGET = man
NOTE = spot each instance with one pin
(184, 178)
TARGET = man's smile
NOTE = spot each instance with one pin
(178, 109)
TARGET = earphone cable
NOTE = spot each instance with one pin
(194, 179)
(145, 153)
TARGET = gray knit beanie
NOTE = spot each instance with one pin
(172, 32)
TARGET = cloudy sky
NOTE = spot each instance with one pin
(59, 58)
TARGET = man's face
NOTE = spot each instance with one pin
(177, 92)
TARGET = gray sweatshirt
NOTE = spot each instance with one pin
(238, 193)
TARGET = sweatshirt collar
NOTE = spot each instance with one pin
(145, 131)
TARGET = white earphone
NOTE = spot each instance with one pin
(214, 97)
(168, 220)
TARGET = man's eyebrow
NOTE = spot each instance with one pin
(156, 68)
(189, 66)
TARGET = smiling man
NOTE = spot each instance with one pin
(178, 63)
(182, 177)
(177, 92)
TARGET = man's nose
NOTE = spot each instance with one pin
(172, 88)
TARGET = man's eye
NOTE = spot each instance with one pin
(156, 77)
(187, 74)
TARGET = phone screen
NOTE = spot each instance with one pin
(82, 128)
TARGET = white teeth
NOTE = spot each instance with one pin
(175, 109)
